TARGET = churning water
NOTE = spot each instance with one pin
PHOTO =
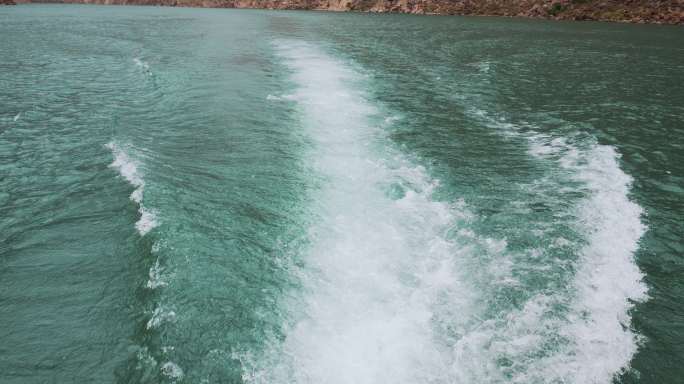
(224, 196)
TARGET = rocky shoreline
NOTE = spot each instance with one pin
(634, 11)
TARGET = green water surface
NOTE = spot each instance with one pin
(552, 145)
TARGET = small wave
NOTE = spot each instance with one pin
(147, 221)
(159, 316)
(145, 360)
(172, 370)
(168, 349)
(542, 146)
(156, 276)
(391, 119)
(142, 64)
(129, 169)
(281, 97)
(482, 66)
(16, 117)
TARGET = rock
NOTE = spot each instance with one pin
(636, 11)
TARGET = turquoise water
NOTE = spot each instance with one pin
(243, 196)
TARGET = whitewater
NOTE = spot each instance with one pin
(130, 169)
(213, 195)
(392, 282)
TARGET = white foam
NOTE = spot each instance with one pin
(172, 370)
(141, 64)
(156, 276)
(145, 359)
(594, 339)
(543, 146)
(389, 297)
(147, 221)
(484, 66)
(168, 349)
(377, 264)
(608, 280)
(160, 315)
(16, 117)
(129, 169)
(391, 119)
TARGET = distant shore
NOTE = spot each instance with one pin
(632, 11)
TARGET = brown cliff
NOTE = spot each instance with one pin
(638, 11)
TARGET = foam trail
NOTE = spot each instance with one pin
(596, 326)
(159, 316)
(389, 297)
(172, 370)
(156, 276)
(378, 259)
(129, 169)
(590, 322)
(608, 280)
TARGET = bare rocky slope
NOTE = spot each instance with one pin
(638, 11)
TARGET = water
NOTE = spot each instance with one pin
(240, 196)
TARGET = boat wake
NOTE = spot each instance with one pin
(398, 287)
(380, 264)
(129, 169)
